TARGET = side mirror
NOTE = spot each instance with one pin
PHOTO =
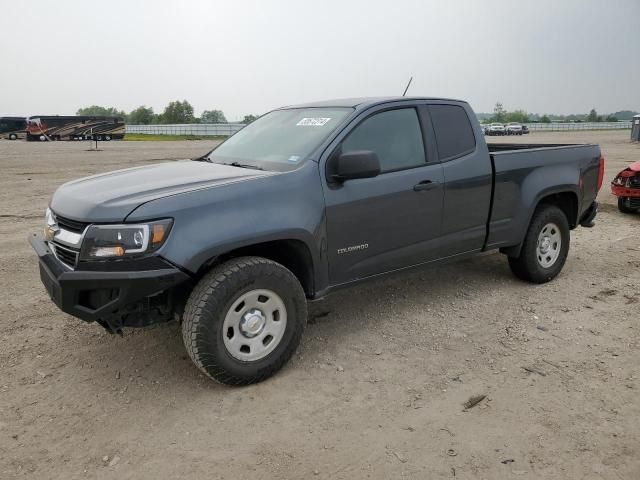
(355, 164)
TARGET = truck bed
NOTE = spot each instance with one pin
(525, 173)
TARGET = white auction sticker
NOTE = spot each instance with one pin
(313, 122)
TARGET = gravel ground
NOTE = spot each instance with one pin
(377, 387)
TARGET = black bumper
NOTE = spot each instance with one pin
(108, 297)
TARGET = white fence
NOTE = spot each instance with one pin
(558, 127)
(227, 129)
(200, 129)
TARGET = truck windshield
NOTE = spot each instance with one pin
(280, 140)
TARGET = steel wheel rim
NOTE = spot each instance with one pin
(254, 325)
(549, 245)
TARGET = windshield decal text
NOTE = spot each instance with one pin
(313, 122)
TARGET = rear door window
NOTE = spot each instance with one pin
(454, 133)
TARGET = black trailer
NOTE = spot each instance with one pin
(13, 128)
(56, 127)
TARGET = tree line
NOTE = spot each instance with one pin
(501, 115)
(176, 112)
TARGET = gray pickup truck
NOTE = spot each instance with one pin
(305, 200)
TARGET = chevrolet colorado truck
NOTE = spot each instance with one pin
(306, 200)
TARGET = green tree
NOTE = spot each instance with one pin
(97, 111)
(624, 114)
(519, 116)
(545, 119)
(611, 118)
(213, 116)
(248, 119)
(141, 116)
(177, 112)
(499, 113)
(593, 116)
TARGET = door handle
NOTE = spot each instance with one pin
(424, 185)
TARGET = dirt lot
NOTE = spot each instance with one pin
(377, 387)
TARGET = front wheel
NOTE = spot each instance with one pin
(622, 206)
(244, 320)
(545, 247)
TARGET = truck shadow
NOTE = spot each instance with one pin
(157, 353)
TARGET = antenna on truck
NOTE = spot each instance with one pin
(407, 88)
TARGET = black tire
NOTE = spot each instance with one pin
(527, 266)
(211, 300)
(13, 136)
(623, 208)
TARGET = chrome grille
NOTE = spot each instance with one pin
(67, 255)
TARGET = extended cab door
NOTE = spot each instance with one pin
(391, 221)
(467, 171)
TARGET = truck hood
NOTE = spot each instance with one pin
(110, 197)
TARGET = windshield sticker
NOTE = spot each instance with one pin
(294, 158)
(313, 122)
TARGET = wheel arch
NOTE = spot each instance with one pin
(565, 200)
(293, 254)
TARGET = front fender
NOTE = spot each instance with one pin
(214, 221)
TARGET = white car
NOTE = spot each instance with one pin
(513, 128)
(495, 129)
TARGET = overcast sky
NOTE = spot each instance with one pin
(545, 56)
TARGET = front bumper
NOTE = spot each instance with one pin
(112, 298)
(624, 191)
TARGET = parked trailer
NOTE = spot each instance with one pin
(49, 127)
(13, 128)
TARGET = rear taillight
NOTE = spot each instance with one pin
(600, 172)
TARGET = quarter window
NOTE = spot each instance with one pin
(454, 134)
(395, 136)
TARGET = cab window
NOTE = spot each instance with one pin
(394, 135)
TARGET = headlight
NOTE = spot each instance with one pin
(51, 227)
(620, 180)
(117, 241)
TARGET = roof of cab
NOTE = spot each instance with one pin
(363, 102)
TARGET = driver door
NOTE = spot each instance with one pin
(392, 221)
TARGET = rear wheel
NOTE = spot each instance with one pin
(13, 136)
(244, 320)
(545, 247)
(622, 206)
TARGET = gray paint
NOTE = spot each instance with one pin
(217, 208)
(635, 128)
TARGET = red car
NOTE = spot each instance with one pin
(626, 186)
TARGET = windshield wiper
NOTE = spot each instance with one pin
(233, 164)
(244, 165)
